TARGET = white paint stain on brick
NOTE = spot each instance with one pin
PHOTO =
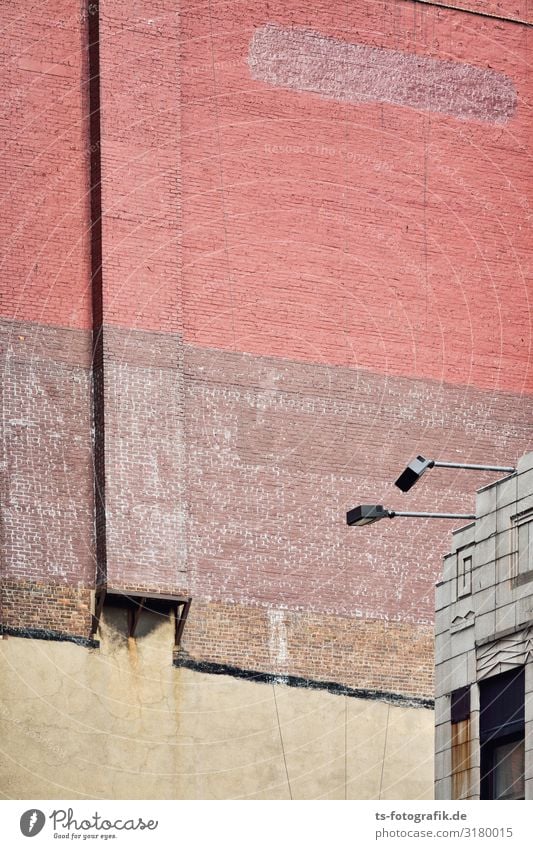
(304, 60)
(277, 639)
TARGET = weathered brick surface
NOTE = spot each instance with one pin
(278, 451)
(145, 459)
(520, 9)
(244, 501)
(47, 479)
(308, 61)
(46, 606)
(375, 655)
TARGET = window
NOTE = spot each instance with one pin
(460, 704)
(461, 742)
(464, 571)
(501, 727)
(522, 547)
(508, 767)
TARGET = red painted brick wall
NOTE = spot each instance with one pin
(44, 201)
(277, 451)
(355, 233)
(140, 94)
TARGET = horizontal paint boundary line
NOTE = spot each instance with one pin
(50, 635)
(476, 12)
(336, 689)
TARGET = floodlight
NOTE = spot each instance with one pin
(418, 466)
(412, 473)
(366, 514)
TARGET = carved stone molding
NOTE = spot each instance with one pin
(505, 653)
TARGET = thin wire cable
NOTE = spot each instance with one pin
(346, 747)
(281, 741)
(384, 752)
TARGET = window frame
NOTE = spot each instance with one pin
(521, 521)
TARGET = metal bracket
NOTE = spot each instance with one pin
(98, 607)
(182, 611)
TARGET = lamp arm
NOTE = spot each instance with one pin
(393, 513)
(444, 465)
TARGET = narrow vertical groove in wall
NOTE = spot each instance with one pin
(93, 18)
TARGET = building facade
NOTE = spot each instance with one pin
(256, 255)
(484, 669)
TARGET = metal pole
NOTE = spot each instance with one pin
(393, 513)
(444, 465)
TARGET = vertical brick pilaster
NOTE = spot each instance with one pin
(98, 384)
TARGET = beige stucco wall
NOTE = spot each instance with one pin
(121, 722)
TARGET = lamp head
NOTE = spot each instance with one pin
(413, 472)
(365, 514)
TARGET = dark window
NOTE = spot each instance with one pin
(461, 743)
(501, 726)
(460, 704)
(508, 769)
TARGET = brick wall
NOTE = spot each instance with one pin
(326, 223)
(141, 405)
(277, 451)
(361, 653)
(299, 291)
(47, 477)
(44, 225)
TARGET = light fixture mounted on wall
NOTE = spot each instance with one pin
(416, 468)
(367, 514)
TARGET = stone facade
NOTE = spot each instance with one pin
(484, 629)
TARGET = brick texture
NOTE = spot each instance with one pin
(306, 61)
(374, 655)
(277, 451)
(140, 96)
(366, 234)
(145, 460)
(47, 478)
(46, 606)
(44, 226)
(298, 293)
